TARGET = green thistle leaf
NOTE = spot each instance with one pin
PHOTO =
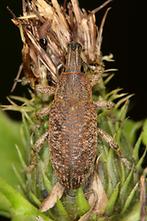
(144, 133)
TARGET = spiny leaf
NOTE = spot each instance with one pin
(126, 187)
(139, 164)
(81, 202)
(108, 57)
(24, 100)
(122, 173)
(25, 217)
(123, 100)
(19, 177)
(5, 206)
(144, 133)
(129, 199)
(122, 112)
(112, 200)
(62, 211)
(21, 158)
(25, 132)
(111, 170)
(47, 182)
(9, 137)
(34, 199)
(130, 129)
(15, 107)
(114, 94)
(108, 78)
(133, 214)
(136, 148)
(19, 205)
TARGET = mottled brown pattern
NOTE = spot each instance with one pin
(73, 130)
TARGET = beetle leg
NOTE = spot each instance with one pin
(109, 139)
(52, 198)
(95, 79)
(36, 150)
(104, 104)
(48, 90)
(44, 112)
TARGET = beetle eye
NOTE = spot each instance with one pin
(43, 43)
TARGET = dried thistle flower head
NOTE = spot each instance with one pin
(46, 30)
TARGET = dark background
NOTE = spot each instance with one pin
(124, 36)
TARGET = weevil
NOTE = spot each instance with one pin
(73, 130)
(73, 124)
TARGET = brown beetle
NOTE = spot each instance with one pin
(72, 124)
(73, 128)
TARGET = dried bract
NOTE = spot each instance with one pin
(46, 30)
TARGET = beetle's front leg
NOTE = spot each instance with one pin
(104, 104)
(47, 90)
(96, 73)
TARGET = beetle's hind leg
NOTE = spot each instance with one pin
(110, 140)
(43, 112)
(45, 90)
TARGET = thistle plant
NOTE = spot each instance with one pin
(120, 183)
